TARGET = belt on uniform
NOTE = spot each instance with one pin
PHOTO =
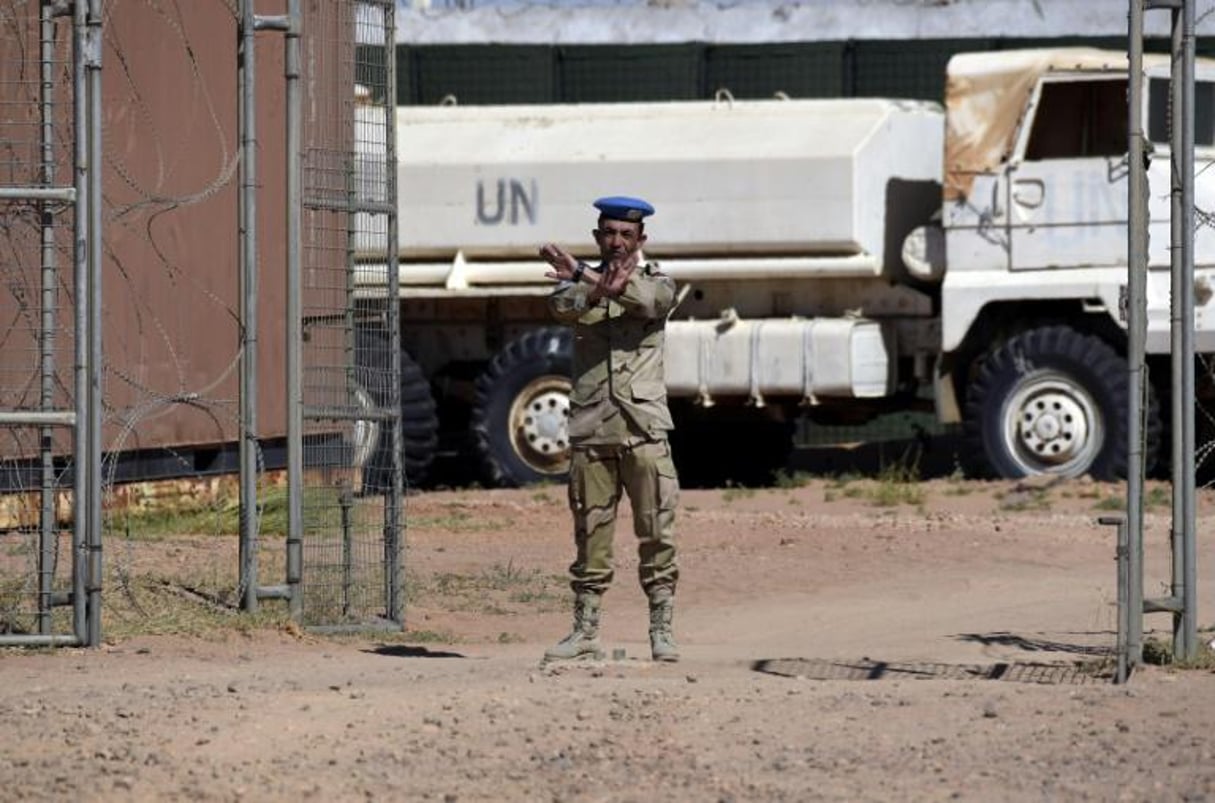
(607, 451)
(601, 451)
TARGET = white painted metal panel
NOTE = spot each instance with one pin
(1068, 213)
(752, 177)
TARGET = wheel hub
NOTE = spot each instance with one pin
(539, 424)
(1053, 426)
(546, 423)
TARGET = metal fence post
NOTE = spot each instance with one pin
(95, 257)
(295, 314)
(1124, 665)
(1136, 308)
(247, 125)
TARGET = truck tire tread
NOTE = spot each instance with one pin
(419, 417)
(544, 351)
(1082, 359)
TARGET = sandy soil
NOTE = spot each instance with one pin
(835, 648)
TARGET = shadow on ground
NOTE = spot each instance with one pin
(407, 651)
(1036, 644)
(927, 457)
(871, 669)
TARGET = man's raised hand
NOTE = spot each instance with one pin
(561, 261)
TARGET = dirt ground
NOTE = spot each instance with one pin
(842, 639)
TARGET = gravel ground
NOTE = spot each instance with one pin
(951, 644)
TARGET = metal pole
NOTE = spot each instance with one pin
(247, 125)
(1125, 612)
(295, 335)
(93, 77)
(394, 522)
(63, 194)
(82, 495)
(1185, 641)
(345, 503)
(47, 529)
(1190, 580)
(1137, 233)
(1122, 671)
(347, 145)
(1177, 115)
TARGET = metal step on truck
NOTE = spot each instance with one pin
(837, 259)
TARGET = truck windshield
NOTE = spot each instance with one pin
(1079, 118)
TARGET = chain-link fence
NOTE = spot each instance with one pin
(352, 515)
(43, 344)
(196, 335)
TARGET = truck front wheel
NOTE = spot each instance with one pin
(520, 418)
(1052, 400)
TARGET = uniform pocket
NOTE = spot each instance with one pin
(654, 485)
(649, 390)
(668, 480)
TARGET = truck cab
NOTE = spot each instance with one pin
(1035, 227)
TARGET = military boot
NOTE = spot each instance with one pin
(583, 640)
(662, 640)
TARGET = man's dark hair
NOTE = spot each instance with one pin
(640, 223)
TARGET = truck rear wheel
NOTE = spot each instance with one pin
(419, 419)
(1052, 400)
(520, 419)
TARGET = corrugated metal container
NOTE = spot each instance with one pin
(170, 225)
(170, 101)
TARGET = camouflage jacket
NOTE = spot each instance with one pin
(620, 395)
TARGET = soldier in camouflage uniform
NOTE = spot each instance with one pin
(618, 422)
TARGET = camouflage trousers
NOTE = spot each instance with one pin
(598, 475)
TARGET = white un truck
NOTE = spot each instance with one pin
(836, 259)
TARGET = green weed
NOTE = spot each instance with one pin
(1110, 503)
(458, 520)
(534, 596)
(1158, 497)
(843, 480)
(788, 480)
(735, 492)
(493, 590)
(1159, 652)
(1023, 499)
(891, 494)
(428, 637)
(898, 483)
(322, 508)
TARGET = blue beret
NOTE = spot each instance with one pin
(622, 207)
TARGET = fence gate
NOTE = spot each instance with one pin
(49, 520)
(348, 406)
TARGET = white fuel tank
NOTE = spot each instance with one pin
(807, 359)
(773, 177)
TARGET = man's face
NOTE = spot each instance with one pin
(618, 240)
